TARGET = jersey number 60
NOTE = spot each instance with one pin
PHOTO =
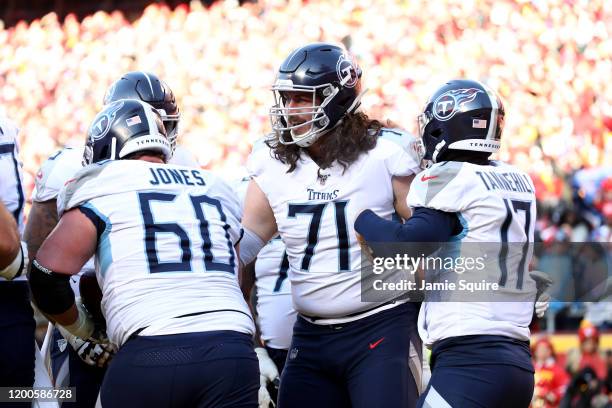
(153, 228)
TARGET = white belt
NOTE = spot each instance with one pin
(348, 319)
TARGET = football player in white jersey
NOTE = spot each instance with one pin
(325, 163)
(17, 345)
(83, 368)
(480, 355)
(275, 315)
(164, 238)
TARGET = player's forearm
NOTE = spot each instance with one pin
(247, 280)
(425, 225)
(41, 221)
(9, 241)
(65, 318)
(401, 185)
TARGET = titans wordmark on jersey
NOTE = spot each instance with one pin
(166, 247)
(495, 205)
(315, 212)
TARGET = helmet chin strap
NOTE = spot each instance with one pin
(439, 146)
(113, 148)
(357, 102)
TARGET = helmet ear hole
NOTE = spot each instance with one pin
(436, 133)
(104, 152)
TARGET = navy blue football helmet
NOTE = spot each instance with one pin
(461, 116)
(327, 74)
(148, 88)
(125, 127)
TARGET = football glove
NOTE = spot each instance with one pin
(96, 355)
(84, 327)
(543, 282)
(268, 373)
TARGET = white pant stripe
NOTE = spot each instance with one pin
(435, 400)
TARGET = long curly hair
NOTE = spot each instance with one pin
(355, 135)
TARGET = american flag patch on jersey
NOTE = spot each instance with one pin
(134, 120)
(479, 123)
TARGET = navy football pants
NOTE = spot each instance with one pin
(367, 363)
(17, 341)
(480, 372)
(208, 369)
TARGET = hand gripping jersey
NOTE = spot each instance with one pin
(11, 173)
(315, 212)
(165, 259)
(495, 204)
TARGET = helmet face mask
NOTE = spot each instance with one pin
(325, 74)
(463, 116)
(291, 119)
(171, 123)
(147, 87)
(125, 127)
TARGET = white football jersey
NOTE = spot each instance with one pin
(55, 172)
(165, 259)
(315, 211)
(11, 173)
(61, 167)
(495, 204)
(275, 313)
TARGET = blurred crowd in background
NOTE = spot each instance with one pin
(580, 378)
(551, 61)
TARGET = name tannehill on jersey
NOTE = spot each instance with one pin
(508, 181)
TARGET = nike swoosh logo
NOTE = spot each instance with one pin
(376, 343)
(425, 178)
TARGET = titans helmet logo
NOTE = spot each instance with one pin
(348, 72)
(446, 105)
(103, 122)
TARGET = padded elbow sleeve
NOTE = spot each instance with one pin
(15, 268)
(51, 291)
(250, 245)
